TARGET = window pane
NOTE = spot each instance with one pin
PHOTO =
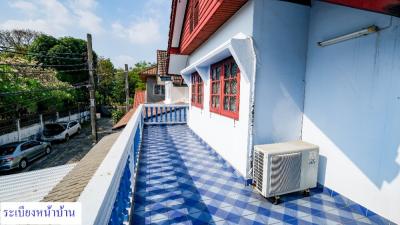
(226, 103)
(227, 87)
(227, 72)
(233, 86)
(215, 88)
(233, 104)
(156, 89)
(215, 101)
(193, 96)
(218, 73)
(234, 69)
(213, 74)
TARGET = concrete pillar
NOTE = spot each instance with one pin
(18, 129)
(41, 122)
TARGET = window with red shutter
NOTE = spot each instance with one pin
(197, 94)
(224, 88)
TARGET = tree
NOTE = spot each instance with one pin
(19, 40)
(105, 76)
(134, 74)
(67, 54)
(135, 83)
(30, 89)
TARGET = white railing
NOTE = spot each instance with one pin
(165, 114)
(107, 197)
(114, 179)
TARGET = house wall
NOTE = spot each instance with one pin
(175, 94)
(280, 39)
(151, 97)
(227, 136)
(352, 106)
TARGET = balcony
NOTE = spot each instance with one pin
(160, 172)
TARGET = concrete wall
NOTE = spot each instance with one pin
(280, 39)
(151, 97)
(174, 94)
(33, 130)
(352, 106)
(227, 136)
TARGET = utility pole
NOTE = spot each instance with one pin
(91, 88)
(126, 88)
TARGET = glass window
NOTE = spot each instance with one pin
(225, 74)
(159, 89)
(197, 90)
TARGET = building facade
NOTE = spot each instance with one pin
(260, 72)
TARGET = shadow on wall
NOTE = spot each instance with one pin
(379, 164)
(352, 99)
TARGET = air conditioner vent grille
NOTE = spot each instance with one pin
(259, 169)
(285, 172)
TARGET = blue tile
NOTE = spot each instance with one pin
(182, 180)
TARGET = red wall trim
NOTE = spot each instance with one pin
(212, 15)
(391, 7)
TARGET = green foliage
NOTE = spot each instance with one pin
(26, 90)
(111, 88)
(105, 74)
(62, 52)
(36, 89)
(134, 74)
(116, 115)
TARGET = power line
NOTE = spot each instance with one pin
(40, 90)
(21, 102)
(41, 65)
(13, 110)
(44, 54)
(41, 72)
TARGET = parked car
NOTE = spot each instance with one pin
(60, 131)
(19, 154)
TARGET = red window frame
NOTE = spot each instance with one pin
(197, 90)
(224, 75)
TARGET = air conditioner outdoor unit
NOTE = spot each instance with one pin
(284, 168)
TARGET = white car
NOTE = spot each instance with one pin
(60, 130)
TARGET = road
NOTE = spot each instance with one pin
(71, 151)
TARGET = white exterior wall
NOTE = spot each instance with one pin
(352, 106)
(228, 137)
(175, 94)
(280, 38)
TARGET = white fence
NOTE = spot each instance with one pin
(31, 131)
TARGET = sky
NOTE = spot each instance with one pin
(126, 31)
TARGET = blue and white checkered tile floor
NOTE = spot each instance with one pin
(182, 181)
